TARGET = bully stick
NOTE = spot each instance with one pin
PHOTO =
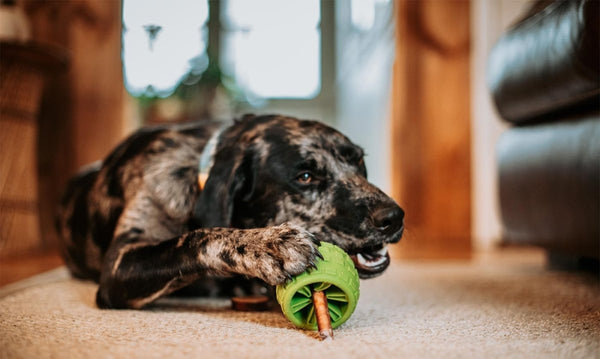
(322, 314)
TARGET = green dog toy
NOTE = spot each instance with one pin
(336, 277)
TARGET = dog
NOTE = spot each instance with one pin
(232, 209)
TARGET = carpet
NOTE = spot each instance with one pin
(498, 306)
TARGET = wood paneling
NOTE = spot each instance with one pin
(24, 71)
(431, 128)
(82, 114)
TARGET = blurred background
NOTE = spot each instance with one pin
(404, 79)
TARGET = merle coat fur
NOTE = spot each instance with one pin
(138, 224)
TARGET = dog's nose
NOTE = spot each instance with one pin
(388, 220)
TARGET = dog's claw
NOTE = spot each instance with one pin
(320, 255)
(315, 240)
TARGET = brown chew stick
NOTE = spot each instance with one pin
(322, 314)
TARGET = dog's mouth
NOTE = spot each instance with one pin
(371, 262)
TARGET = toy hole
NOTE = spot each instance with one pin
(302, 308)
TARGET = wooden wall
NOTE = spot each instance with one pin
(81, 117)
(25, 71)
(431, 127)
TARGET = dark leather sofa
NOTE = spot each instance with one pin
(544, 76)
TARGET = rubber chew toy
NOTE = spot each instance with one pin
(322, 298)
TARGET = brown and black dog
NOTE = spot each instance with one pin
(141, 225)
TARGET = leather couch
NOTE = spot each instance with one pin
(544, 77)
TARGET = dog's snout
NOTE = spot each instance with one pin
(388, 220)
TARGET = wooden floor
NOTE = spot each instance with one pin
(17, 268)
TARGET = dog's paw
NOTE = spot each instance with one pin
(287, 250)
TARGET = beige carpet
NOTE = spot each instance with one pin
(495, 306)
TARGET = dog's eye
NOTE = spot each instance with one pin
(304, 178)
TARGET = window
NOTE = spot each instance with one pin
(272, 48)
(162, 42)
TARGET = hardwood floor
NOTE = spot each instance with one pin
(21, 267)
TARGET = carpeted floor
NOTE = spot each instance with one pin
(504, 305)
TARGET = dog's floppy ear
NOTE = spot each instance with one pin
(230, 180)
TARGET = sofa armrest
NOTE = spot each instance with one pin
(547, 62)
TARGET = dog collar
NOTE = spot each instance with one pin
(207, 157)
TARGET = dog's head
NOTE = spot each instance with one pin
(272, 169)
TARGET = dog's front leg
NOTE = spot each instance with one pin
(137, 271)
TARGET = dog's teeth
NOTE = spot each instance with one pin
(379, 259)
(361, 259)
(383, 251)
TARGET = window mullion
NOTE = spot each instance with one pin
(214, 30)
